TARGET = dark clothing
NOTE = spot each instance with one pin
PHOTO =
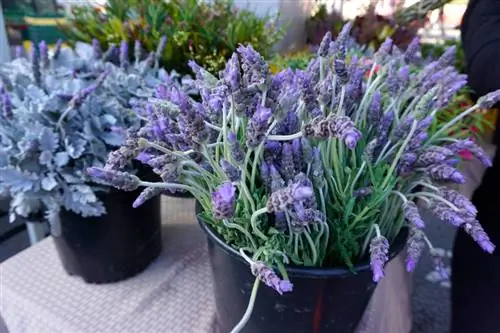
(475, 279)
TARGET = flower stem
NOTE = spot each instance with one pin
(312, 246)
(249, 309)
(242, 230)
(285, 137)
(253, 222)
(452, 122)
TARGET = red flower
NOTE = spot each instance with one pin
(465, 154)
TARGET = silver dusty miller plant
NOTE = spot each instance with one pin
(317, 168)
(63, 113)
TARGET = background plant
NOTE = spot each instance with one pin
(207, 32)
(64, 113)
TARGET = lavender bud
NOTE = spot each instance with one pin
(431, 157)
(224, 201)
(340, 127)
(236, 149)
(309, 216)
(444, 172)
(232, 172)
(257, 127)
(489, 100)
(307, 150)
(473, 148)
(369, 152)
(57, 49)
(383, 51)
(412, 50)
(412, 215)
(270, 278)
(120, 180)
(44, 53)
(407, 163)
(375, 110)
(255, 68)
(459, 200)
(277, 181)
(341, 71)
(413, 249)
(447, 214)
(147, 194)
(35, 64)
(379, 250)
(265, 176)
(476, 231)
(298, 157)
(19, 52)
(325, 45)
(160, 48)
(403, 128)
(287, 167)
(123, 54)
(285, 198)
(96, 49)
(448, 57)
(7, 106)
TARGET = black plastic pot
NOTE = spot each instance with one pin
(112, 247)
(323, 300)
(184, 194)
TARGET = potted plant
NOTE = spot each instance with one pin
(61, 115)
(309, 179)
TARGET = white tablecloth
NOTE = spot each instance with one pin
(174, 295)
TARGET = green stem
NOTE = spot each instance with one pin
(242, 230)
(253, 222)
(248, 195)
(435, 197)
(451, 123)
(168, 186)
(249, 309)
(312, 246)
(285, 137)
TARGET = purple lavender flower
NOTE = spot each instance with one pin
(308, 93)
(444, 172)
(137, 50)
(236, 150)
(298, 156)
(257, 127)
(280, 221)
(147, 194)
(341, 70)
(19, 52)
(307, 216)
(231, 74)
(285, 198)
(489, 100)
(384, 126)
(459, 200)
(379, 250)
(255, 68)
(476, 231)
(340, 127)
(413, 249)
(265, 175)
(448, 57)
(324, 46)
(272, 151)
(473, 148)
(96, 49)
(287, 167)
(403, 129)
(430, 156)
(35, 64)
(369, 151)
(412, 215)
(119, 158)
(362, 192)
(123, 54)
(224, 201)
(277, 182)
(407, 163)
(270, 278)
(447, 214)
(307, 151)
(44, 53)
(7, 106)
(121, 180)
(384, 51)
(57, 49)
(412, 50)
(232, 172)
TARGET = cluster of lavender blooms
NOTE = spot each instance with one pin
(64, 111)
(317, 167)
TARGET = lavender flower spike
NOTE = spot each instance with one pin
(232, 172)
(473, 148)
(237, 153)
(123, 53)
(477, 233)
(257, 127)
(270, 278)
(19, 51)
(413, 250)
(340, 127)
(57, 49)
(44, 53)
(96, 49)
(325, 45)
(379, 250)
(459, 200)
(489, 100)
(147, 194)
(224, 201)
(412, 215)
(121, 180)
(444, 172)
(284, 198)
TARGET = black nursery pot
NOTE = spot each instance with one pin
(112, 247)
(323, 300)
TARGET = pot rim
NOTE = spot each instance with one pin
(310, 272)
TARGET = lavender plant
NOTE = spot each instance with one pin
(319, 167)
(65, 112)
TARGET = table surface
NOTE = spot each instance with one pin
(174, 295)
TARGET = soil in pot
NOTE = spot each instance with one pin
(112, 247)
(323, 300)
